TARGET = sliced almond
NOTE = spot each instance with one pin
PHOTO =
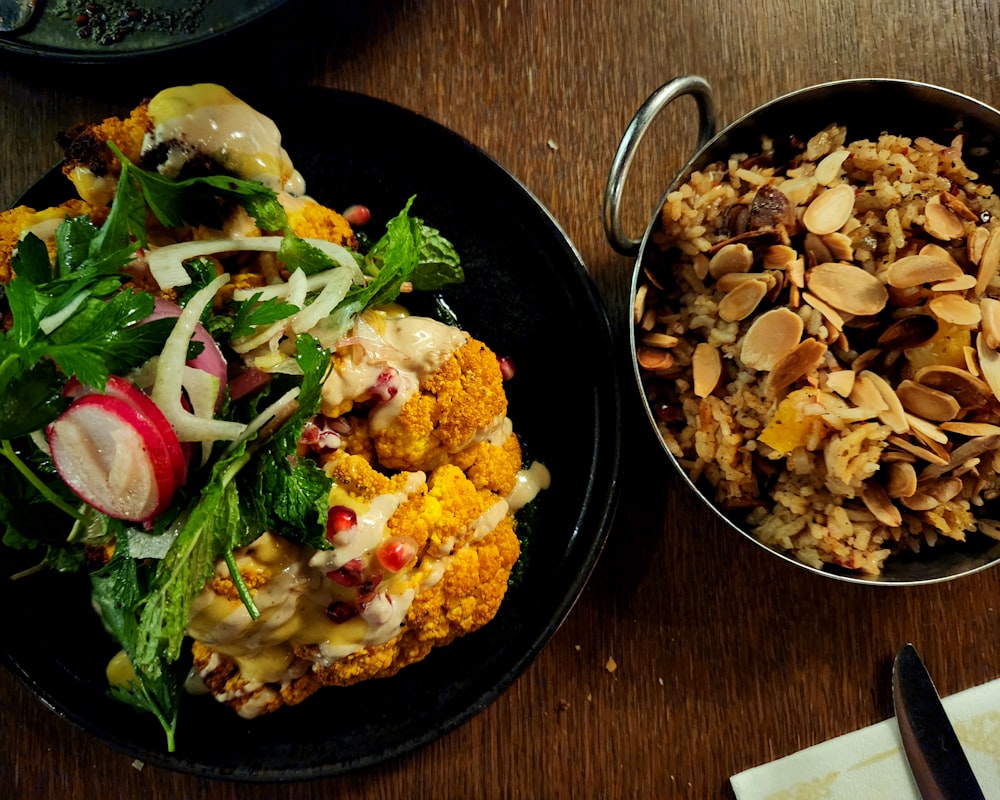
(937, 251)
(971, 428)
(662, 340)
(706, 367)
(975, 243)
(830, 210)
(654, 359)
(960, 284)
(942, 489)
(731, 280)
(840, 246)
(847, 288)
(970, 391)
(922, 453)
(968, 451)
(929, 433)
(796, 272)
(894, 416)
(864, 394)
(639, 306)
(828, 169)
(956, 205)
(740, 302)
(841, 381)
(816, 249)
(877, 501)
(770, 338)
(648, 321)
(989, 261)
(941, 222)
(730, 258)
(911, 331)
(779, 256)
(920, 502)
(831, 315)
(927, 402)
(799, 362)
(952, 308)
(989, 364)
(990, 309)
(910, 271)
(901, 479)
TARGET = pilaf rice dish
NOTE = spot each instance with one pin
(818, 341)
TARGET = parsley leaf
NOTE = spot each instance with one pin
(251, 313)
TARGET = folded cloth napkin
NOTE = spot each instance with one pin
(869, 763)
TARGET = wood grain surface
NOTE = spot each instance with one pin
(726, 656)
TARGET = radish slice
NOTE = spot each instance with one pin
(132, 394)
(112, 457)
(248, 382)
(126, 390)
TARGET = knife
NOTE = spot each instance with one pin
(935, 756)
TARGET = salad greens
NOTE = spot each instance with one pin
(75, 317)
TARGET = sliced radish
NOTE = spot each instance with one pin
(132, 394)
(248, 382)
(119, 387)
(112, 457)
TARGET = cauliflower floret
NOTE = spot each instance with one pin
(89, 162)
(466, 546)
(310, 220)
(16, 221)
(458, 405)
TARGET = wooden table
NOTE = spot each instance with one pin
(726, 656)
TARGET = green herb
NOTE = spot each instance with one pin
(251, 313)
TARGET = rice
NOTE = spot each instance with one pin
(825, 358)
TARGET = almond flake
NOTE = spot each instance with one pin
(828, 169)
(910, 271)
(927, 402)
(894, 416)
(770, 338)
(952, 308)
(960, 284)
(830, 210)
(941, 222)
(706, 367)
(971, 428)
(841, 381)
(654, 359)
(989, 261)
(847, 288)
(799, 362)
(740, 302)
(975, 243)
(877, 501)
(730, 258)
(990, 309)
(902, 479)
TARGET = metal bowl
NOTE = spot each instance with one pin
(868, 107)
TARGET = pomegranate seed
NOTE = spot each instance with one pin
(506, 367)
(385, 387)
(357, 215)
(348, 575)
(366, 590)
(338, 520)
(396, 552)
(341, 611)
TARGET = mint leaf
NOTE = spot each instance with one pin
(296, 253)
(118, 592)
(438, 263)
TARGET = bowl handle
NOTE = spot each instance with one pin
(657, 101)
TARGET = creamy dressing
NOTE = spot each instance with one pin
(528, 484)
(410, 347)
(207, 118)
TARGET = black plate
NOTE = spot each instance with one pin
(528, 296)
(52, 36)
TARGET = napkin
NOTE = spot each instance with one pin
(869, 763)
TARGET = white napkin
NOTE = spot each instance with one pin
(869, 763)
